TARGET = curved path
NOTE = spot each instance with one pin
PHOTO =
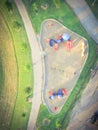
(92, 29)
(37, 64)
(86, 17)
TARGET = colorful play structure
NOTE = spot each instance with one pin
(58, 95)
(61, 38)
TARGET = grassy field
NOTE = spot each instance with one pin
(17, 69)
(64, 15)
(1, 76)
(8, 77)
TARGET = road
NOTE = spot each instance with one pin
(37, 64)
(85, 15)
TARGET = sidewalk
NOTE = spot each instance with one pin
(37, 64)
(86, 17)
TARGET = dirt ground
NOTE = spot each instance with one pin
(62, 67)
(85, 107)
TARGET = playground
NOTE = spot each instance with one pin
(65, 54)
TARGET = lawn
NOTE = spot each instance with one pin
(64, 15)
(19, 114)
(1, 75)
(8, 77)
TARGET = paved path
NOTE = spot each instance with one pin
(37, 64)
(86, 17)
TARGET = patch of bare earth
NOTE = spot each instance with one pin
(86, 107)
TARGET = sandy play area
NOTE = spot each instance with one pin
(62, 66)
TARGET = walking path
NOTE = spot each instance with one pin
(37, 64)
(86, 17)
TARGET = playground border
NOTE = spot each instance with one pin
(45, 66)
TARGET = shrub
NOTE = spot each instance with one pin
(28, 89)
(9, 5)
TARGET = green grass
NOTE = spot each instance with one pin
(1, 75)
(25, 73)
(51, 12)
(57, 3)
(64, 15)
(8, 76)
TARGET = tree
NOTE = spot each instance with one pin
(58, 124)
(93, 3)
(35, 8)
(57, 3)
(28, 89)
(27, 67)
(23, 114)
(23, 46)
(17, 25)
(32, 1)
(9, 5)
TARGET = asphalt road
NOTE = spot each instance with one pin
(86, 17)
(37, 64)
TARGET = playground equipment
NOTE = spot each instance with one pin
(65, 37)
(69, 44)
(59, 94)
(83, 49)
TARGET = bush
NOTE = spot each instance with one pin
(57, 3)
(23, 46)
(17, 25)
(9, 5)
(23, 114)
(28, 89)
(27, 67)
